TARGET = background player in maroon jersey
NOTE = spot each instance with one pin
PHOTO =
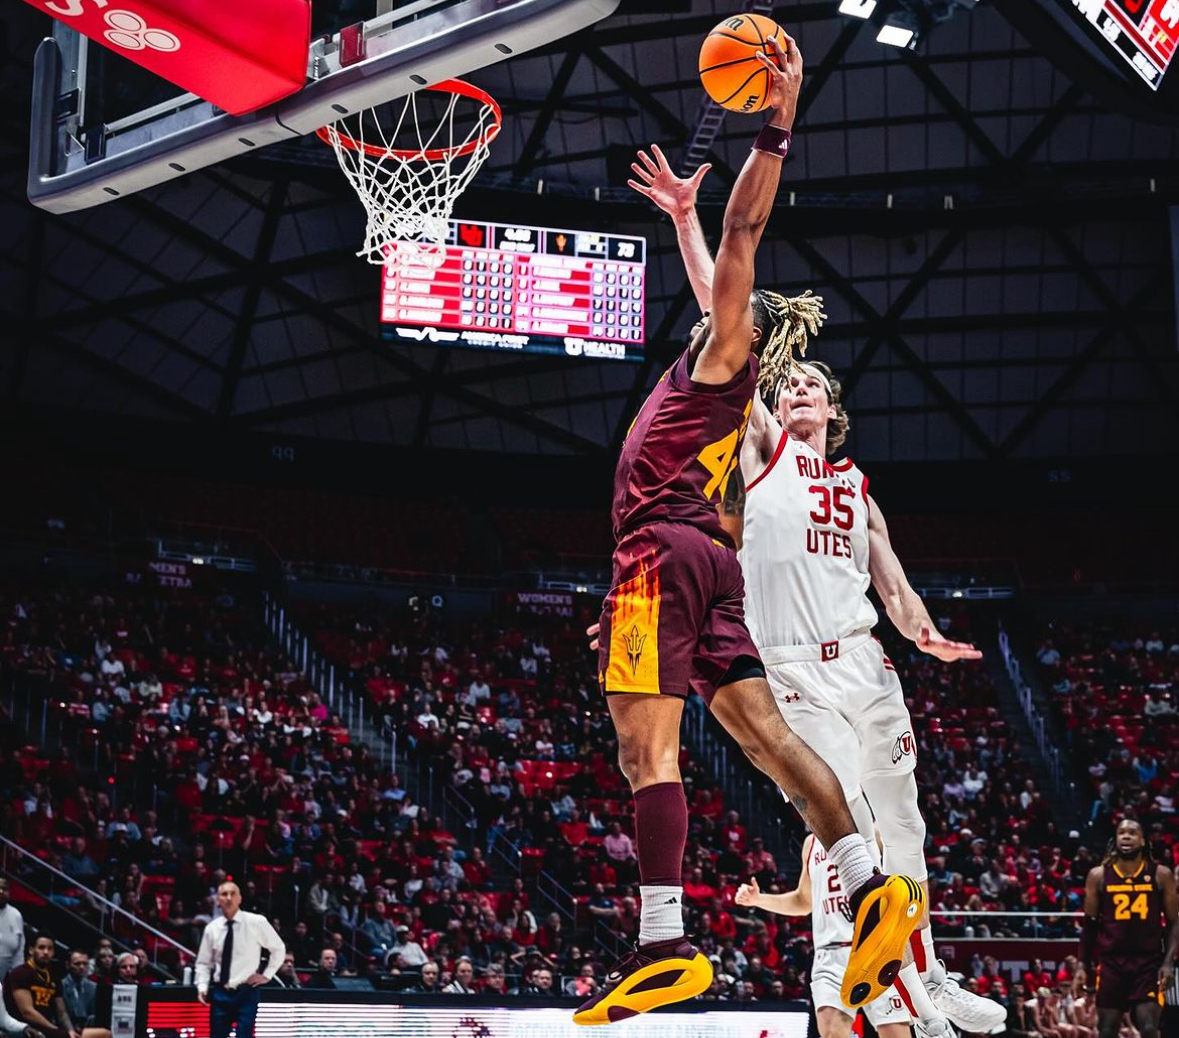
(1126, 899)
(673, 621)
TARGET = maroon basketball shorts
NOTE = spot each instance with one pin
(1123, 980)
(674, 620)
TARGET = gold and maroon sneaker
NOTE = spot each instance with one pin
(887, 910)
(652, 975)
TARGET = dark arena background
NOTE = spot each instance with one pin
(297, 553)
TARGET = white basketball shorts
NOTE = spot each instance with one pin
(826, 978)
(848, 708)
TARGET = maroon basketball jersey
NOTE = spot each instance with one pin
(1131, 913)
(681, 450)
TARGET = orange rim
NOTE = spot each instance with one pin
(329, 134)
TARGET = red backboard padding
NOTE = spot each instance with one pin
(237, 54)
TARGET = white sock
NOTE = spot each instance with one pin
(851, 858)
(912, 991)
(661, 914)
(927, 963)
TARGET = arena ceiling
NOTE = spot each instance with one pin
(991, 241)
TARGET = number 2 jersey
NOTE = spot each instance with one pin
(830, 926)
(681, 449)
(805, 550)
(1131, 914)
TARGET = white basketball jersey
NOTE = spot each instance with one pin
(829, 925)
(805, 550)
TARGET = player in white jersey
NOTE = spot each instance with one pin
(820, 895)
(814, 541)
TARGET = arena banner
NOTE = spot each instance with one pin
(541, 603)
(1012, 953)
(299, 1014)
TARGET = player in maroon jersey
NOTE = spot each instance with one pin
(673, 621)
(1127, 898)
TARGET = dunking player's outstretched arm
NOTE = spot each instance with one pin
(730, 337)
(1166, 882)
(797, 902)
(904, 606)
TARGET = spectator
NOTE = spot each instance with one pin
(584, 984)
(494, 982)
(78, 990)
(619, 847)
(379, 931)
(411, 953)
(542, 981)
(287, 976)
(77, 864)
(327, 971)
(1036, 977)
(464, 974)
(428, 983)
(12, 932)
(105, 970)
(128, 967)
(1021, 1018)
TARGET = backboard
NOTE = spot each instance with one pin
(103, 128)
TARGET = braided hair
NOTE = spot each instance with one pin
(785, 324)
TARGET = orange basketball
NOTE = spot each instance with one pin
(729, 69)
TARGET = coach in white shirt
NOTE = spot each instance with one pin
(227, 966)
(12, 933)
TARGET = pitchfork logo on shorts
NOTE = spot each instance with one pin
(903, 747)
(634, 647)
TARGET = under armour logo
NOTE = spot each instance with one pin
(129, 31)
(634, 646)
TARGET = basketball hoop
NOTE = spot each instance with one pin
(408, 193)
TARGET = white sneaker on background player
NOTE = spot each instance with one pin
(964, 1009)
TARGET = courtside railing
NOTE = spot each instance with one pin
(1036, 720)
(93, 911)
(342, 698)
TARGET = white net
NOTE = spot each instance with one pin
(408, 175)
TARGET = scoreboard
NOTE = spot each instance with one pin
(530, 289)
(1144, 33)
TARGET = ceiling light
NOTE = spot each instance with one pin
(857, 8)
(900, 29)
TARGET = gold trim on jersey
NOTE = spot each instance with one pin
(633, 661)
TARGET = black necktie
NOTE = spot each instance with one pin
(227, 953)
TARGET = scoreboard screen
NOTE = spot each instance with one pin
(1144, 33)
(517, 288)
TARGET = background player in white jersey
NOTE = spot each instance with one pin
(814, 540)
(820, 895)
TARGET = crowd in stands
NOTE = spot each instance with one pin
(189, 751)
(1113, 686)
(992, 843)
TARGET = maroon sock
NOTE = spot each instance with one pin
(661, 831)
